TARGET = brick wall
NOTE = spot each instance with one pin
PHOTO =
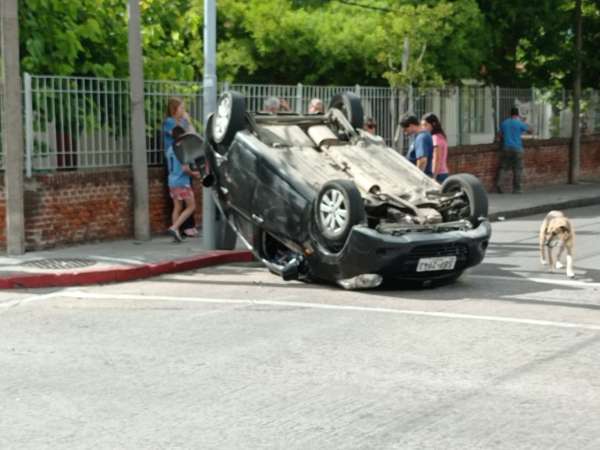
(65, 208)
(546, 161)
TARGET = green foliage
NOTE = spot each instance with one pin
(74, 37)
(442, 40)
(532, 43)
(508, 42)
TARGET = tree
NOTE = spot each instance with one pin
(444, 42)
(531, 43)
(74, 37)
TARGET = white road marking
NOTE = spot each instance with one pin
(571, 283)
(445, 315)
(33, 298)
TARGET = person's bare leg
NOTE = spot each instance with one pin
(190, 207)
(177, 205)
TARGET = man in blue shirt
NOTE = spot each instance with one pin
(420, 152)
(511, 156)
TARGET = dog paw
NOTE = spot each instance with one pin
(559, 265)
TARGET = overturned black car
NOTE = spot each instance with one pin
(317, 198)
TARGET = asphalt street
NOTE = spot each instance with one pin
(234, 357)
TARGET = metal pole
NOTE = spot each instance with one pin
(299, 98)
(12, 129)
(210, 105)
(497, 125)
(28, 124)
(139, 159)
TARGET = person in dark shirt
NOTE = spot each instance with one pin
(420, 151)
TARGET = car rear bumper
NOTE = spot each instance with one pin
(368, 251)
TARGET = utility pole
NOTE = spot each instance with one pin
(575, 153)
(139, 159)
(210, 105)
(12, 129)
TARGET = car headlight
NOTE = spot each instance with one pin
(362, 281)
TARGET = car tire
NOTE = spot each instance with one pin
(338, 207)
(349, 103)
(229, 118)
(474, 192)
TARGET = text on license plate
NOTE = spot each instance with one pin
(436, 263)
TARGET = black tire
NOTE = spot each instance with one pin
(338, 207)
(349, 103)
(474, 192)
(229, 118)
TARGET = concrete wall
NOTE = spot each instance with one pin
(64, 208)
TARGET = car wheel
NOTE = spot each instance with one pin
(349, 103)
(339, 206)
(229, 118)
(476, 206)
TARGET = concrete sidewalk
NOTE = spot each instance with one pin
(129, 259)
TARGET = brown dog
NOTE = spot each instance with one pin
(557, 231)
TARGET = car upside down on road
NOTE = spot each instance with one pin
(317, 198)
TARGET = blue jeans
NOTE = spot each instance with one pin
(441, 177)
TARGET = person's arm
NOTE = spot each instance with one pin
(193, 173)
(437, 161)
(168, 126)
(420, 152)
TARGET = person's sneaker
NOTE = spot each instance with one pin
(176, 236)
(190, 232)
(499, 190)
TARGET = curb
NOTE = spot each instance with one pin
(566, 204)
(120, 274)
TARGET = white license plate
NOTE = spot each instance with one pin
(436, 263)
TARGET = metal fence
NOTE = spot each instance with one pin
(78, 123)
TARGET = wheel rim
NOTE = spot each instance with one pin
(222, 118)
(333, 212)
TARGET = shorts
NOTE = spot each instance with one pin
(181, 193)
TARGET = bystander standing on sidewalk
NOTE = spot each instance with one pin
(180, 187)
(176, 115)
(420, 151)
(316, 106)
(511, 155)
(271, 105)
(370, 125)
(439, 166)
